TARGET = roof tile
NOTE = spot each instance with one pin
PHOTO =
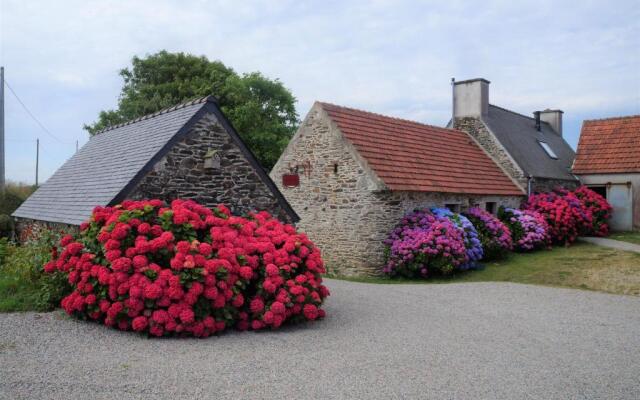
(411, 156)
(609, 145)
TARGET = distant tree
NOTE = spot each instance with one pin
(261, 109)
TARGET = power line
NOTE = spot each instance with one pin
(31, 114)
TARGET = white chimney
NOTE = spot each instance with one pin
(553, 118)
(471, 98)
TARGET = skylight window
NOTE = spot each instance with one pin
(548, 150)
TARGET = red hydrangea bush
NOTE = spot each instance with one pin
(185, 269)
(599, 209)
(572, 213)
(563, 212)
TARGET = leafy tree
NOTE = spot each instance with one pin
(261, 109)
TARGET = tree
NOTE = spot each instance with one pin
(261, 109)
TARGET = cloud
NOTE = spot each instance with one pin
(394, 57)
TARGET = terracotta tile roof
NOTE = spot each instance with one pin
(412, 156)
(609, 145)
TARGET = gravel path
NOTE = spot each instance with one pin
(452, 341)
(614, 244)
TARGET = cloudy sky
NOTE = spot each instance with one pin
(394, 57)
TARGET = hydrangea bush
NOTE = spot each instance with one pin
(494, 235)
(598, 207)
(424, 244)
(185, 269)
(471, 239)
(528, 228)
(564, 214)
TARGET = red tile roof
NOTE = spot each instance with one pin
(609, 145)
(412, 156)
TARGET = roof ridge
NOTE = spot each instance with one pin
(512, 112)
(201, 100)
(612, 118)
(388, 116)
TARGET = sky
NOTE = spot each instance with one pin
(392, 57)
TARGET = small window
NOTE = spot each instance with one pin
(490, 206)
(548, 150)
(335, 168)
(453, 207)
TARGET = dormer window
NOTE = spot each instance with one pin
(548, 150)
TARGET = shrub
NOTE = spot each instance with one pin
(23, 284)
(528, 228)
(494, 235)
(563, 212)
(424, 244)
(189, 270)
(599, 209)
(6, 226)
(472, 242)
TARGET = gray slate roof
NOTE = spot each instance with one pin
(518, 134)
(104, 166)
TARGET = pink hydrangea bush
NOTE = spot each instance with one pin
(599, 209)
(529, 229)
(494, 235)
(572, 213)
(423, 245)
(185, 269)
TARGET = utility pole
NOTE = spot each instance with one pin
(2, 181)
(37, 158)
(76, 146)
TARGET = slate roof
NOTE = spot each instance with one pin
(411, 156)
(609, 145)
(518, 134)
(110, 163)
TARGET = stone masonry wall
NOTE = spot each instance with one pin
(181, 174)
(547, 185)
(345, 210)
(27, 229)
(477, 129)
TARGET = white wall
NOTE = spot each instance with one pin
(621, 220)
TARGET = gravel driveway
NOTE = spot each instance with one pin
(452, 341)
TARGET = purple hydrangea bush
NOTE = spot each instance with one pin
(529, 229)
(494, 235)
(424, 244)
(471, 240)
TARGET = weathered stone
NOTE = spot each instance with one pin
(353, 213)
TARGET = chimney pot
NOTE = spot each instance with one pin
(536, 115)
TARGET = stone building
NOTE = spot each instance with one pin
(351, 175)
(530, 149)
(608, 162)
(189, 151)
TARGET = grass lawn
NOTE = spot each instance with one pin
(631, 237)
(581, 266)
(18, 294)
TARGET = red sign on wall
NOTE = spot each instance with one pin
(290, 180)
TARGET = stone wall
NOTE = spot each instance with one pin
(343, 207)
(181, 173)
(27, 229)
(548, 184)
(478, 130)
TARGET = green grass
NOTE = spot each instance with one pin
(631, 237)
(581, 266)
(23, 284)
(18, 294)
